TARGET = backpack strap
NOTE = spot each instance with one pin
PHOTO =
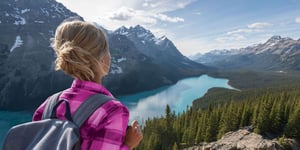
(89, 106)
(50, 105)
(67, 112)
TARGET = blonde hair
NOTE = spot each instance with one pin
(79, 47)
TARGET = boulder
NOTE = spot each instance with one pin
(241, 139)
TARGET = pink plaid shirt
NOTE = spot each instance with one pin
(106, 127)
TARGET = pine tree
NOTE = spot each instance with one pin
(246, 115)
(263, 120)
(229, 121)
(212, 127)
(292, 129)
(275, 118)
(175, 147)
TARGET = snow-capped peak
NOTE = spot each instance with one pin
(163, 38)
(275, 40)
(137, 31)
(122, 30)
(139, 28)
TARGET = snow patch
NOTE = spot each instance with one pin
(159, 41)
(25, 11)
(123, 33)
(6, 14)
(121, 59)
(17, 10)
(162, 38)
(45, 11)
(17, 43)
(122, 30)
(280, 71)
(39, 21)
(115, 69)
(262, 51)
(58, 9)
(20, 20)
(142, 35)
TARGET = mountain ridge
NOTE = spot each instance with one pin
(275, 54)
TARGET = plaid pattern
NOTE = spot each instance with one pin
(106, 127)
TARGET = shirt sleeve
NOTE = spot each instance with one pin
(38, 114)
(112, 135)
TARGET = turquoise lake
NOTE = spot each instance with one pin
(178, 96)
(145, 104)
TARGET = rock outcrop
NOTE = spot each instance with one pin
(243, 140)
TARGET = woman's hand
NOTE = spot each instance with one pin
(133, 135)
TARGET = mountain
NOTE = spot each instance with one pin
(275, 54)
(27, 73)
(26, 58)
(167, 63)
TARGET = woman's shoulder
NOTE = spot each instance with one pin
(110, 108)
(114, 105)
(109, 111)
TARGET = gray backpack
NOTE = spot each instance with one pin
(51, 133)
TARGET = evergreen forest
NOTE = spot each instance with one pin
(272, 113)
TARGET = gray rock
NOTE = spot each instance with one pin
(240, 140)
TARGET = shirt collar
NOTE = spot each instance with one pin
(90, 86)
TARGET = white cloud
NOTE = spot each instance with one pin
(259, 25)
(163, 17)
(123, 14)
(238, 35)
(197, 13)
(297, 20)
(241, 31)
(252, 28)
(126, 12)
(233, 37)
(132, 16)
(160, 6)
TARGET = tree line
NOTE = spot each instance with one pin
(272, 113)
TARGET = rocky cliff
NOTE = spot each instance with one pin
(244, 139)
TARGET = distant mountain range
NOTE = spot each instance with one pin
(140, 61)
(276, 54)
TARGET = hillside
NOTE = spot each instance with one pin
(26, 59)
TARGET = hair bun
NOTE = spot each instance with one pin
(79, 47)
(74, 60)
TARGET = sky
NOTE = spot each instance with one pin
(198, 26)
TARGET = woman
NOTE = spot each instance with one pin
(82, 52)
